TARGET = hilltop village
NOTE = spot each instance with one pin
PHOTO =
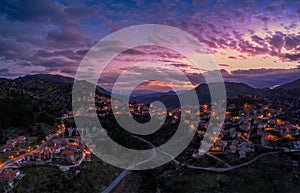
(248, 128)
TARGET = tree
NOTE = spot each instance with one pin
(1, 137)
(4, 121)
(39, 129)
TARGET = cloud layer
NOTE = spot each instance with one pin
(253, 41)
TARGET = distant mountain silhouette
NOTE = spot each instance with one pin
(57, 90)
(291, 85)
(232, 89)
(55, 78)
(3, 79)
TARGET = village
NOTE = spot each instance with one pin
(63, 149)
(246, 128)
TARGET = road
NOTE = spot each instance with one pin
(126, 171)
(116, 181)
(228, 168)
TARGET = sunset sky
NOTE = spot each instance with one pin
(255, 42)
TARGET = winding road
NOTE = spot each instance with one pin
(124, 173)
(228, 168)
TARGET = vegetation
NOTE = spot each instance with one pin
(16, 112)
(269, 174)
(89, 177)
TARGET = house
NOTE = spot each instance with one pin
(223, 133)
(7, 179)
(288, 136)
(78, 139)
(21, 139)
(246, 146)
(35, 156)
(12, 142)
(27, 157)
(260, 126)
(87, 155)
(73, 146)
(46, 153)
(293, 131)
(255, 121)
(267, 138)
(6, 147)
(235, 142)
(284, 130)
(38, 158)
(242, 154)
(219, 145)
(245, 126)
(235, 134)
(56, 149)
(232, 129)
(231, 106)
(265, 119)
(272, 122)
(9, 175)
(68, 155)
(175, 119)
(289, 130)
(232, 148)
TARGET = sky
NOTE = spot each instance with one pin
(255, 42)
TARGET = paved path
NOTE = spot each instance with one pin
(231, 167)
(219, 159)
(116, 181)
(228, 168)
(124, 173)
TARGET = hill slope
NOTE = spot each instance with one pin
(291, 85)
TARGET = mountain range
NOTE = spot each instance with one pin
(56, 90)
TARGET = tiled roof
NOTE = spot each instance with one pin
(67, 152)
